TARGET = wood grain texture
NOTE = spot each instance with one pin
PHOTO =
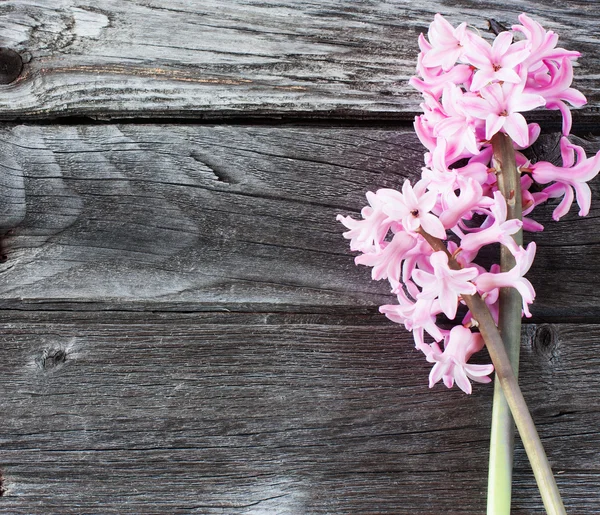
(271, 413)
(241, 218)
(218, 59)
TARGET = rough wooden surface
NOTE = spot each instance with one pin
(217, 59)
(183, 329)
(270, 413)
(195, 217)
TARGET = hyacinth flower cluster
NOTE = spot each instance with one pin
(472, 90)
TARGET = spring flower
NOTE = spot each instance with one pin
(472, 90)
(447, 43)
(412, 208)
(451, 364)
(495, 63)
(569, 177)
(500, 105)
(445, 284)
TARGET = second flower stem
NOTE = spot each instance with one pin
(512, 392)
(509, 325)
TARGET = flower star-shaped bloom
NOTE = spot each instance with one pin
(513, 278)
(451, 365)
(457, 128)
(568, 177)
(368, 234)
(416, 316)
(445, 283)
(495, 63)
(500, 106)
(499, 231)
(541, 44)
(457, 207)
(412, 208)
(447, 43)
(387, 263)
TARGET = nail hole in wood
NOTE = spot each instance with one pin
(11, 65)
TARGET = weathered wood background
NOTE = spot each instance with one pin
(183, 327)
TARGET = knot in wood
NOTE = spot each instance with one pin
(11, 65)
(545, 341)
(51, 358)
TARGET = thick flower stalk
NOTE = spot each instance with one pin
(425, 239)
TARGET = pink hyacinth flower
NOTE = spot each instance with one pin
(451, 365)
(495, 63)
(412, 208)
(500, 106)
(458, 129)
(444, 283)
(541, 44)
(368, 234)
(447, 43)
(416, 316)
(457, 207)
(569, 176)
(387, 263)
(513, 278)
(499, 231)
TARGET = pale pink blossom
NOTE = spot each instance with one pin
(471, 91)
(461, 206)
(451, 364)
(513, 278)
(366, 235)
(416, 316)
(458, 127)
(541, 44)
(498, 231)
(500, 105)
(445, 284)
(495, 63)
(433, 80)
(556, 90)
(568, 177)
(412, 208)
(387, 263)
(447, 43)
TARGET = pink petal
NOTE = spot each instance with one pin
(445, 57)
(433, 226)
(507, 75)
(462, 381)
(448, 303)
(584, 198)
(479, 372)
(427, 201)
(493, 123)
(437, 372)
(476, 106)
(482, 78)
(410, 198)
(565, 204)
(525, 102)
(516, 127)
(515, 56)
(501, 44)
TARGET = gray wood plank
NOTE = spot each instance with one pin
(185, 217)
(271, 413)
(215, 59)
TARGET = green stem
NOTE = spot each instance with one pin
(514, 397)
(503, 428)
